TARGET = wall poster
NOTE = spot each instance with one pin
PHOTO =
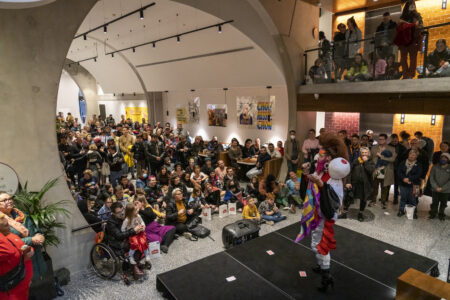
(246, 108)
(136, 114)
(194, 109)
(217, 115)
(265, 114)
(182, 116)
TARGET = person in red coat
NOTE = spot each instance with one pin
(11, 250)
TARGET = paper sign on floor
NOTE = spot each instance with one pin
(270, 252)
(302, 274)
(231, 278)
(388, 252)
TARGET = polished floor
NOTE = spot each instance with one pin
(422, 236)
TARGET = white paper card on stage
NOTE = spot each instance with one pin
(223, 211)
(154, 249)
(232, 208)
(206, 214)
(270, 252)
(388, 252)
(302, 274)
(231, 278)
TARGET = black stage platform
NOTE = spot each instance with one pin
(360, 267)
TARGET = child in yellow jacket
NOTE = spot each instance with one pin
(250, 211)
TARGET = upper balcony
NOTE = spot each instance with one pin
(376, 63)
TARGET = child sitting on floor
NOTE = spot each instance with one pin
(250, 211)
(139, 241)
(269, 210)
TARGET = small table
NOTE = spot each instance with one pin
(205, 155)
(247, 161)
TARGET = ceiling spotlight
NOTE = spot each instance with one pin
(112, 54)
(178, 39)
(105, 29)
(70, 65)
(84, 37)
(123, 94)
(134, 50)
(220, 28)
(141, 14)
(114, 94)
(154, 45)
(95, 59)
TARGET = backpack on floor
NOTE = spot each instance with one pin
(199, 231)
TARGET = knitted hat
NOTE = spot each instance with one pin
(339, 168)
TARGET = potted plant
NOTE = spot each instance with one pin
(44, 218)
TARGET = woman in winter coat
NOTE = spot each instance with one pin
(410, 175)
(353, 37)
(360, 180)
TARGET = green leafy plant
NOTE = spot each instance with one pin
(43, 216)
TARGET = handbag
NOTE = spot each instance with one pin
(199, 231)
(15, 276)
(329, 202)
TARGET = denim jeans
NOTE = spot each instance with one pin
(114, 177)
(407, 197)
(276, 217)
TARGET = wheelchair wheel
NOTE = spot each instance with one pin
(104, 261)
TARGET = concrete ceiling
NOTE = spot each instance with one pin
(241, 68)
(18, 4)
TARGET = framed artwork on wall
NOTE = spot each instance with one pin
(217, 115)
(246, 111)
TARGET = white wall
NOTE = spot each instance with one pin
(225, 134)
(326, 24)
(68, 96)
(320, 121)
(117, 107)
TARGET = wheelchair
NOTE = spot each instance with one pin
(106, 263)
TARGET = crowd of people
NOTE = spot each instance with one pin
(408, 164)
(343, 59)
(143, 183)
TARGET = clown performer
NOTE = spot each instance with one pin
(323, 199)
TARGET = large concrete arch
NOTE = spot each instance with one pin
(34, 44)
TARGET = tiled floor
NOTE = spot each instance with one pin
(425, 237)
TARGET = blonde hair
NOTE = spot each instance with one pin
(92, 147)
(129, 213)
(141, 198)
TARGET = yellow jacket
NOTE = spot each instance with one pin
(250, 212)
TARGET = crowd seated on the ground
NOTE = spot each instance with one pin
(343, 59)
(168, 176)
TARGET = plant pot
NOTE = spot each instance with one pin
(44, 288)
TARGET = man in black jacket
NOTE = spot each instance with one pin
(400, 150)
(116, 238)
(385, 36)
(139, 150)
(155, 154)
(262, 158)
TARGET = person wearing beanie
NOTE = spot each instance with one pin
(440, 183)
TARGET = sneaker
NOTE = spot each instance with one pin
(286, 208)
(164, 249)
(132, 261)
(187, 235)
(239, 210)
(400, 214)
(271, 223)
(360, 217)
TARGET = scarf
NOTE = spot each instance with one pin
(409, 165)
(16, 223)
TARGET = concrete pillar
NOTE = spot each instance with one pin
(34, 44)
(88, 86)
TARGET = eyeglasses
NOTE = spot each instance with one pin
(6, 200)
